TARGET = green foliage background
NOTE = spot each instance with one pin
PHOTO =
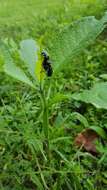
(23, 161)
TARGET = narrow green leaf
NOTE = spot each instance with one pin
(104, 76)
(74, 38)
(35, 145)
(29, 54)
(60, 139)
(36, 181)
(58, 98)
(99, 131)
(62, 156)
(11, 69)
(81, 118)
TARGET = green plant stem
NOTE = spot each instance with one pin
(45, 119)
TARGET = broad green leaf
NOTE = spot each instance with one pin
(67, 44)
(39, 71)
(11, 69)
(59, 120)
(99, 131)
(96, 96)
(17, 73)
(29, 54)
(104, 18)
